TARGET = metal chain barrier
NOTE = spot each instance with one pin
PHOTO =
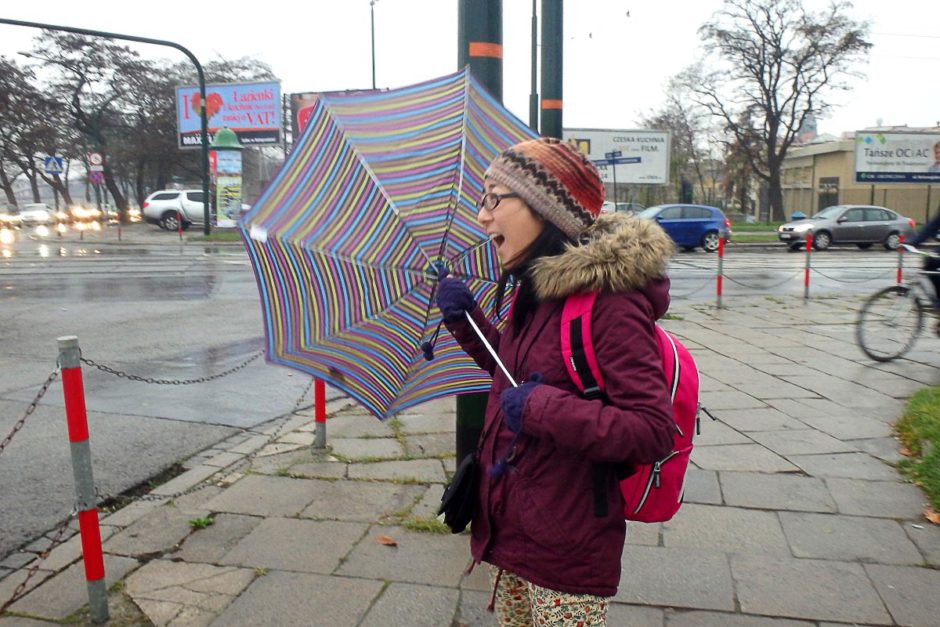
(127, 500)
(865, 280)
(134, 377)
(707, 283)
(29, 410)
(57, 539)
(759, 287)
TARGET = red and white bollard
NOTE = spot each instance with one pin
(721, 266)
(809, 251)
(319, 412)
(900, 258)
(86, 499)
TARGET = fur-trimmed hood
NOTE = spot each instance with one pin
(619, 254)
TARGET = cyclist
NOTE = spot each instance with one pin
(930, 230)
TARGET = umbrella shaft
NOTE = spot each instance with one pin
(490, 349)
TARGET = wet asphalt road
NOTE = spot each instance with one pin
(153, 307)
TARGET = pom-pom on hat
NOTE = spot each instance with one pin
(554, 179)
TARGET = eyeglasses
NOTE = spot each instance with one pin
(491, 200)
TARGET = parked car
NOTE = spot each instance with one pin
(165, 208)
(36, 213)
(9, 217)
(628, 208)
(691, 226)
(862, 225)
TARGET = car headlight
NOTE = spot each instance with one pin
(802, 228)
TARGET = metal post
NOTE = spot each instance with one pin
(613, 167)
(900, 258)
(721, 268)
(552, 62)
(534, 95)
(809, 249)
(70, 363)
(479, 46)
(372, 22)
(319, 412)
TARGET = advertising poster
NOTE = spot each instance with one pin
(897, 157)
(252, 110)
(627, 156)
(228, 200)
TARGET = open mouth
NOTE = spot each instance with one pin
(497, 240)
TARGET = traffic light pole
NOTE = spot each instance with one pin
(480, 46)
(156, 42)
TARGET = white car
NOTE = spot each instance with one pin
(35, 214)
(167, 207)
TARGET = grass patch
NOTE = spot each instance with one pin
(672, 316)
(202, 522)
(425, 525)
(744, 228)
(919, 430)
(216, 236)
(752, 238)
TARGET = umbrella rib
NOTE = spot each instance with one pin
(455, 192)
(353, 260)
(375, 180)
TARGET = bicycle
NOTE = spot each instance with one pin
(892, 318)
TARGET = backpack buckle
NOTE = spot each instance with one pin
(592, 393)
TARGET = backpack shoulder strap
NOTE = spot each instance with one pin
(577, 347)
(670, 355)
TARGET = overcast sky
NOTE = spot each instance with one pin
(616, 65)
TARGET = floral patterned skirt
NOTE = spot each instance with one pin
(519, 603)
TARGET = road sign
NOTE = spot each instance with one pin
(53, 165)
(613, 154)
(618, 160)
(95, 162)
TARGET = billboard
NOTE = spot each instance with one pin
(643, 158)
(897, 157)
(301, 106)
(252, 110)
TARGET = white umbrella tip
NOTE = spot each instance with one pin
(258, 233)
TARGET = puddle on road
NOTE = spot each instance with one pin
(105, 289)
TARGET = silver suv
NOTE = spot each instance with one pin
(166, 208)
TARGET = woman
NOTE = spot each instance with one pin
(554, 559)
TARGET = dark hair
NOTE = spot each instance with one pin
(550, 242)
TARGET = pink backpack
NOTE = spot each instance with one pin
(653, 493)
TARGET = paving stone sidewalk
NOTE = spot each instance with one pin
(795, 515)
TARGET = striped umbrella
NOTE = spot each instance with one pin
(377, 195)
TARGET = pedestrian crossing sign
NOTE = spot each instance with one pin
(53, 165)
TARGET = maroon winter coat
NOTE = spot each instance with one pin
(537, 519)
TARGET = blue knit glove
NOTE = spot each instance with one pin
(512, 401)
(453, 299)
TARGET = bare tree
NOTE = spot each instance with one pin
(770, 63)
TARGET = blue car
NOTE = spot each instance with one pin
(691, 226)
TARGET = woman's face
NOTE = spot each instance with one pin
(511, 225)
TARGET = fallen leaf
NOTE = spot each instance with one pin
(905, 451)
(932, 515)
(386, 541)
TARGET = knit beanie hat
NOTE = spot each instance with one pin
(554, 179)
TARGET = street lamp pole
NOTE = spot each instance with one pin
(372, 19)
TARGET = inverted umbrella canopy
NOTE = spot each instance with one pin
(376, 197)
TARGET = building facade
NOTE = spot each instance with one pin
(821, 173)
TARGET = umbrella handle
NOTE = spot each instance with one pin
(490, 349)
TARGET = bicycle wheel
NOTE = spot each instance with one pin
(889, 323)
